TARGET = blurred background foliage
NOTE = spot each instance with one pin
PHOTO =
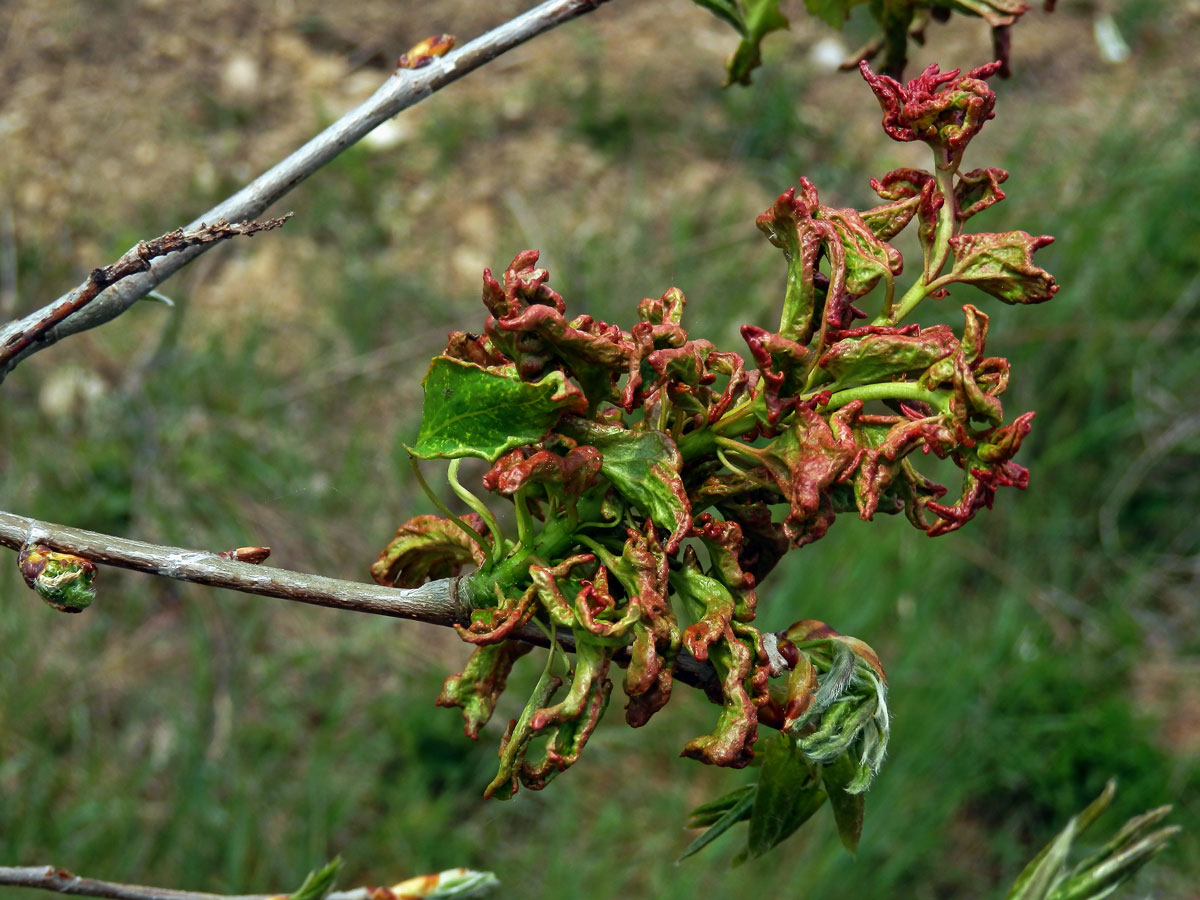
(194, 738)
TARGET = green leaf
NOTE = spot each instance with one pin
(729, 10)
(787, 795)
(1041, 875)
(644, 467)
(832, 12)
(1002, 265)
(319, 882)
(156, 297)
(848, 809)
(1079, 823)
(475, 411)
(720, 815)
(762, 17)
(879, 357)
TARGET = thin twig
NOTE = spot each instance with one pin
(136, 260)
(50, 878)
(435, 603)
(401, 90)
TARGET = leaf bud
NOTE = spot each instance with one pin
(64, 581)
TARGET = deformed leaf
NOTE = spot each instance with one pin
(471, 410)
(977, 190)
(787, 795)
(65, 581)
(644, 466)
(426, 548)
(477, 688)
(1002, 265)
(867, 258)
(878, 357)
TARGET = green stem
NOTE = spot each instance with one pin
(736, 422)
(937, 255)
(442, 507)
(477, 505)
(524, 519)
(555, 538)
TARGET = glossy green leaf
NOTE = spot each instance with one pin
(787, 796)
(475, 411)
(848, 808)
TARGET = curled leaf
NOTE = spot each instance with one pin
(1002, 265)
(479, 685)
(942, 109)
(426, 548)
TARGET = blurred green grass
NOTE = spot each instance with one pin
(201, 739)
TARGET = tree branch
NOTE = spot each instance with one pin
(49, 878)
(401, 90)
(435, 603)
(138, 259)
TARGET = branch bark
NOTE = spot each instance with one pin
(50, 878)
(138, 259)
(401, 90)
(435, 603)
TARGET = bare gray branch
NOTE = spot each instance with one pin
(49, 878)
(138, 259)
(436, 602)
(401, 90)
